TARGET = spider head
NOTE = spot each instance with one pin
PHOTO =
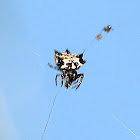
(69, 76)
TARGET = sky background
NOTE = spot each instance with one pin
(107, 104)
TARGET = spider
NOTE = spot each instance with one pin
(68, 64)
(107, 29)
(99, 36)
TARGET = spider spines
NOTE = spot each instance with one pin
(56, 52)
(67, 51)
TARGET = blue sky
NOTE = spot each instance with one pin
(106, 106)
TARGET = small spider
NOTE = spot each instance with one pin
(107, 29)
(68, 64)
(99, 36)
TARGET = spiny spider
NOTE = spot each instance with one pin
(68, 64)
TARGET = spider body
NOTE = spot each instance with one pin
(68, 64)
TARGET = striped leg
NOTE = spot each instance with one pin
(56, 78)
(81, 76)
(57, 68)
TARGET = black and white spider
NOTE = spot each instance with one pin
(68, 64)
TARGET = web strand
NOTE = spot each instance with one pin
(49, 115)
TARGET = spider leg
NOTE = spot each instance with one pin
(68, 84)
(53, 66)
(56, 78)
(62, 80)
(76, 81)
(79, 76)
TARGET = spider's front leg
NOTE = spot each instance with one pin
(61, 79)
(81, 76)
(54, 67)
